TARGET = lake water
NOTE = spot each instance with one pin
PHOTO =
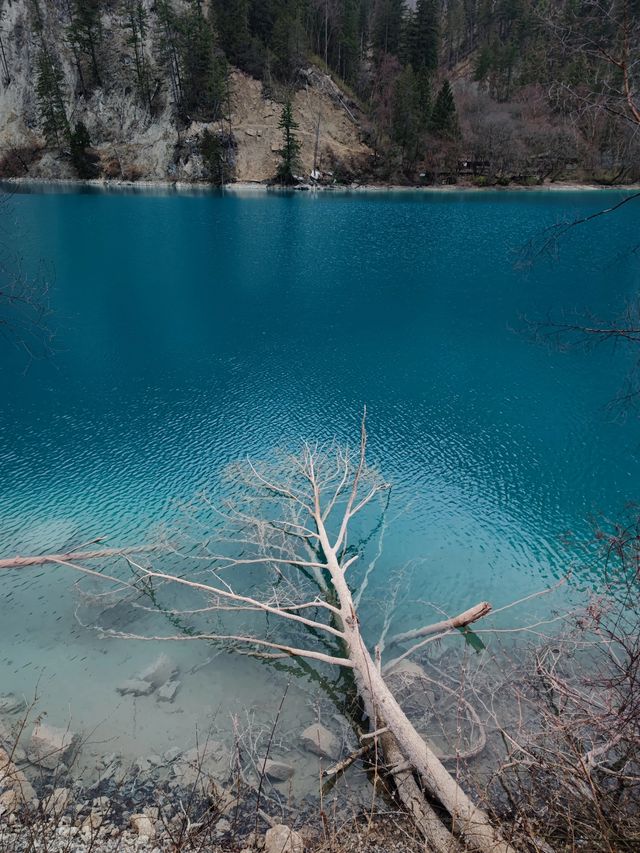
(196, 329)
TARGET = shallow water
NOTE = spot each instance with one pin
(195, 329)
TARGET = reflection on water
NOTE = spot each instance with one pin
(197, 329)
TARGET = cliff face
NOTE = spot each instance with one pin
(131, 141)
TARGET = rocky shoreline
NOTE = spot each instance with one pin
(177, 803)
(239, 187)
(230, 795)
(192, 795)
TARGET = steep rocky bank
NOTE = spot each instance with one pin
(133, 143)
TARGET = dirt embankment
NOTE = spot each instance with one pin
(321, 112)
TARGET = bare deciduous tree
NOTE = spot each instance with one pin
(293, 522)
(603, 34)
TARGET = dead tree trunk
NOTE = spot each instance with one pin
(298, 539)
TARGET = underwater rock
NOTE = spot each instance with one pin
(142, 765)
(159, 672)
(50, 746)
(203, 765)
(319, 740)
(6, 738)
(167, 692)
(277, 771)
(171, 754)
(135, 687)
(406, 672)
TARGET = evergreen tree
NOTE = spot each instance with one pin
(410, 116)
(85, 32)
(203, 69)
(135, 22)
(290, 151)
(53, 115)
(424, 36)
(348, 41)
(217, 156)
(232, 22)
(79, 143)
(386, 27)
(444, 118)
(288, 43)
(167, 47)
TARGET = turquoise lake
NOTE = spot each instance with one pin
(196, 329)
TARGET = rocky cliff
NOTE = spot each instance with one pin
(131, 141)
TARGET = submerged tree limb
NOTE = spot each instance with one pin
(70, 556)
(460, 621)
(320, 493)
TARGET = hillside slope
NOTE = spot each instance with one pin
(380, 90)
(131, 143)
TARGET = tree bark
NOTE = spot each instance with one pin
(460, 621)
(435, 833)
(471, 822)
(72, 556)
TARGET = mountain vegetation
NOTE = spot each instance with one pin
(485, 91)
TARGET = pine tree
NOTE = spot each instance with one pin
(348, 43)
(410, 114)
(53, 115)
(444, 118)
(232, 22)
(288, 43)
(424, 36)
(217, 155)
(386, 27)
(290, 151)
(203, 70)
(135, 22)
(85, 32)
(167, 47)
(79, 143)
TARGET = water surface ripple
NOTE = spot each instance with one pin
(197, 329)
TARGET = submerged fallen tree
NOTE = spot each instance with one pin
(292, 521)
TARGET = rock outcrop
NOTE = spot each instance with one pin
(128, 142)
